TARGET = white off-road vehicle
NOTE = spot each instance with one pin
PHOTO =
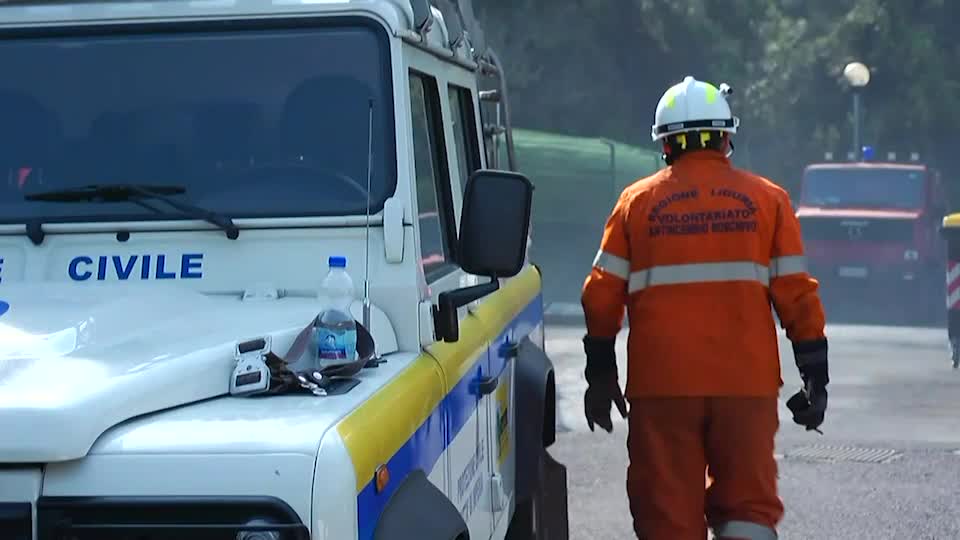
(174, 175)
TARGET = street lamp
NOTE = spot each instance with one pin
(858, 76)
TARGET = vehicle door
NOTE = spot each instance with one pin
(464, 363)
(465, 111)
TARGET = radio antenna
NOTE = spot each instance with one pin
(366, 269)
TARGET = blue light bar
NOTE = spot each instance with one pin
(867, 153)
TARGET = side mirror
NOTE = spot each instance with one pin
(494, 227)
(494, 224)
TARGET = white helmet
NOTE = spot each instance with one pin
(693, 105)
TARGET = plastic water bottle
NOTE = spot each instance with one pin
(336, 332)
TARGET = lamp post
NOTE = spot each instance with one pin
(858, 76)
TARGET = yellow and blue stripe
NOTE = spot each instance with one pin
(409, 422)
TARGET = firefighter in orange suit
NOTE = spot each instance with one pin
(697, 253)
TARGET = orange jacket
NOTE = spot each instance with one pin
(697, 252)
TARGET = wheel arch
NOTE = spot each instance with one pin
(419, 510)
(536, 407)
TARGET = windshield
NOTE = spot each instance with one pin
(864, 188)
(253, 122)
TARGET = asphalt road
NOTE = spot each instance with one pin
(893, 395)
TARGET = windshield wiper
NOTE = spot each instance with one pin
(134, 193)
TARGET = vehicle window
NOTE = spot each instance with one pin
(465, 132)
(435, 215)
(864, 188)
(252, 122)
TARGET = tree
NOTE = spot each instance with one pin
(598, 68)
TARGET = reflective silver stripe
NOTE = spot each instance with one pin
(745, 529)
(953, 299)
(953, 272)
(699, 273)
(784, 266)
(612, 264)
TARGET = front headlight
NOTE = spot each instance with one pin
(911, 255)
(168, 518)
(266, 534)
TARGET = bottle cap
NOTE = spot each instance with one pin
(337, 262)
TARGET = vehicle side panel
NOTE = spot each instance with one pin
(410, 423)
(511, 389)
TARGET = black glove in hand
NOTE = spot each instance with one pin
(603, 388)
(598, 401)
(809, 405)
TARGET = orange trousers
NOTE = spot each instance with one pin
(673, 441)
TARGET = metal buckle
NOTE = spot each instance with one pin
(251, 375)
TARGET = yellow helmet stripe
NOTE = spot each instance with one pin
(671, 95)
(711, 91)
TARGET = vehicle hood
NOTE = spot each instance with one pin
(857, 213)
(76, 361)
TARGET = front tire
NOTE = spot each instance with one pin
(523, 526)
(543, 516)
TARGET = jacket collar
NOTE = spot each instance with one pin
(701, 157)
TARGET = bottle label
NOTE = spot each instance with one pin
(336, 345)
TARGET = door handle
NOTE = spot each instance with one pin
(509, 350)
(486, 385)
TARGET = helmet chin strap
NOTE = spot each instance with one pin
(665, 154)
(731, 149)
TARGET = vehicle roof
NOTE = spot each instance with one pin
(868, 165)
(13, 13)
(399, 16)
(403, 18)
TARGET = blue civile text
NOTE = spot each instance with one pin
(142, 267)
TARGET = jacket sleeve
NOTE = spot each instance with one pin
(604, 293)
(793, 290)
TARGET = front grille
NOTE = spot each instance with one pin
(16, 521)
(165, 518)
(899, 231)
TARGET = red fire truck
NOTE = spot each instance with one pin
(871, 232)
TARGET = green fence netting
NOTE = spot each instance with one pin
(577, 179)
